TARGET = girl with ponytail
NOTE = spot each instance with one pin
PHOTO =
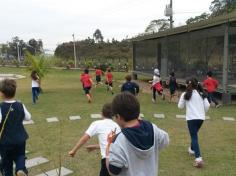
(196, 103)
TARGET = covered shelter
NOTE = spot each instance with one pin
(192, 50)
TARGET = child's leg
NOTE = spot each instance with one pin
(34, 94)
(214, 99)
(7, 154)
(103, 171)
(154, 94)
(20, 158)
(194, 126)
(111, 87)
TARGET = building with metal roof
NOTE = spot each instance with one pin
(191, 50)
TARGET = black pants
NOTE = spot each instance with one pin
(104, 171)
(212, 98)
(10, 154)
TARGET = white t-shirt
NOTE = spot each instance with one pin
(102, 128)
(35, 83)
(196, 107)
(156, 79)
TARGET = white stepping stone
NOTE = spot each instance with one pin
(52, 119)
(36, 161)
(207, 117)
(159, 116)
(55, 172)
(74, 117)
(228, 118)
(26, 152)
(180, 116)
(96, 116)
(28, 122)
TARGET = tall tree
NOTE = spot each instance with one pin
(98, 36)
(220, 7)
(199, 18)
(158, 25)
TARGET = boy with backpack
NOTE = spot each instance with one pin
(13, 135)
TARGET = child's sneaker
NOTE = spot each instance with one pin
(190, 151)
(163, 97)
(153, 100)
(198, 163)
(21, 173)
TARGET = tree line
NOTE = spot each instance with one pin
(17, 46)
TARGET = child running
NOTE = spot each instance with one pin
(156, 86)
(13, 135)
(134, 151)
(211, 85)
(35, 86)
(196, 103)
(98, 74)
(129, 86)
(87, 83)
(100, 128)
(109, 80)
(172, 85)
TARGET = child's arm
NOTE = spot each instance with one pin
(91, 148)
(79, 144)
(27, 114)
(181, 103)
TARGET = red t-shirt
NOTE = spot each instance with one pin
(86, 80)
(210, 84)
(98, 72)
(109, 77)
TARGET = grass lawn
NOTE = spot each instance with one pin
(63, 96)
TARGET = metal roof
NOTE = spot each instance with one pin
(219, 20)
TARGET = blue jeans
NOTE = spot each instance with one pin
(35, 93)
(10, 154)
(194, 126)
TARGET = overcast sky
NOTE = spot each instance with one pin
(54, 21)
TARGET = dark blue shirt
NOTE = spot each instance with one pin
(130, 87)
(14, 131)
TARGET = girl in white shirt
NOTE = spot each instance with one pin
(156, 85)
(35, 86)
(196, 103)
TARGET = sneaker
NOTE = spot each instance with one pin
(21, 173)
(163, 97)
(217, 106)
(198, 164)
(190, 151)
(153, 100)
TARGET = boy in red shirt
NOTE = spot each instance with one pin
(98, 74)
(87, 84)
(211, 85)
(109, 78)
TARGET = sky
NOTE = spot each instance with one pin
(54, 21)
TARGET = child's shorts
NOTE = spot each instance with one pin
(87, 89)
(98, 78)
(109, 83)
(172, 91)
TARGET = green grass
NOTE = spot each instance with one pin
(63, 96)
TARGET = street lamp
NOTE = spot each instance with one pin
(74, 49)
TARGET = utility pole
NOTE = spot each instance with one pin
(74, 49)
(18, 53)
(169, 13)
(171, 16)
